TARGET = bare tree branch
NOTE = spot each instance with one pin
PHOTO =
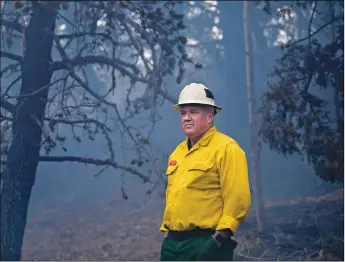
(11, 68)
(97, 162)
(37, 91)
(11, 85)
(11, 24)
(75, 122)
(93, 93)
(91, 34)
(7, 105)
(14, 57)
(166, 95)
(54, 121)
(93, 59)
(136, 45)
(315, 32)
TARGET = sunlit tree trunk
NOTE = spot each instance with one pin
(253, 123)
(23, 154)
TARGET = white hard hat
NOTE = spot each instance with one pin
(195, 93)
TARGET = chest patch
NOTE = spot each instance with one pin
(172, 163)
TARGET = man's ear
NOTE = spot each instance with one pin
(210, 117)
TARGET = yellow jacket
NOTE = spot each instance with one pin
(208, 185)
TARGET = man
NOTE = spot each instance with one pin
(208, 194)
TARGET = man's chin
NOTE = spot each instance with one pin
(189, 131)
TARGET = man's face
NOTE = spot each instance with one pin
(195, 119)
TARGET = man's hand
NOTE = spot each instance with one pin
(224, 235)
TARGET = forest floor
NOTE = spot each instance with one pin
(301, 229)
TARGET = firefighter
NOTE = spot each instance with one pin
(208, 194)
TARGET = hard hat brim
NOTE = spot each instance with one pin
(176, 107)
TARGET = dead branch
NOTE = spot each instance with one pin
(74, 122)
(310, 35)
(74, 36)
(93, 93)
(52, 121)
(11, 85)
(139, 49)
(7, 105)
(14, 57)
(93, 59)
(34, 92)
(97, 162)
(99, 98)
(9, 68)
(14, 25)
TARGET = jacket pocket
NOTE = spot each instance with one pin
(202, 176)
(170, 173)
(201, 166)
(170, 170)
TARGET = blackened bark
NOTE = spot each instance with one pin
(23, 154)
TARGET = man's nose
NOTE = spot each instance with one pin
(187, 116)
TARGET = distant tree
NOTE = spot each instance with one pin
(3, 150)
(255, 172)
(296, 119)
(51, 86)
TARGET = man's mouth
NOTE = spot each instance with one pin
(188, 125)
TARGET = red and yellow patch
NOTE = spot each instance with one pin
(172, 163)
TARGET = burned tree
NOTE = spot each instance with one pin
(297, 117)
(135, 43)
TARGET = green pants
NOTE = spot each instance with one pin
(196, 248)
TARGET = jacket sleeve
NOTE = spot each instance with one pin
(235, 189)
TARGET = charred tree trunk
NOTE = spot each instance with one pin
(253, 123)
(23, 154)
